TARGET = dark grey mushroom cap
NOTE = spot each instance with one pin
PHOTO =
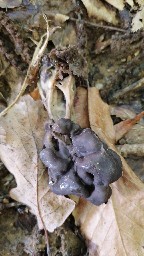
(79, 162)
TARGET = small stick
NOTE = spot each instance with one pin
(137, 85)
(88, 23)
(134, 149)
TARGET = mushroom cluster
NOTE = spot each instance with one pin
(79, 162)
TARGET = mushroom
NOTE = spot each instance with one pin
(79, 162)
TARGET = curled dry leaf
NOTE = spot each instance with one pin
(54, 92)
(67, 87)
(21, 133)
(123, 127)
(48, 91)
(115, 228)
(97, 9)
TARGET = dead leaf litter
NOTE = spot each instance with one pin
(86, 85)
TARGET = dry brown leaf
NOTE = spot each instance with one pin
(21, 133)
(138, 20)
(81, 107)
(123, 127)
(99, 116)
(115, 228)
(97, 9)
(53, 93)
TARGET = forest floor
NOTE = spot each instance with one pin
(113, 63)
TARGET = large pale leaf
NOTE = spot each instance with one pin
(21, 139)
(115, 228)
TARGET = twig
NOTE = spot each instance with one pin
(131, 149)
(137, 85)
(88, 23)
